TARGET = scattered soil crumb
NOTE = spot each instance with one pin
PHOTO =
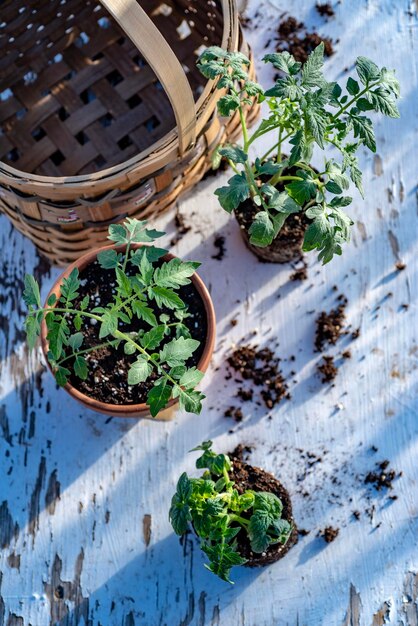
(260, 367)
(346, 354)
(355, 334)
(303, 532)
(219, 243)
(400, 265)
(327, 369)
(329, 533)
(294, 37)
(235, 413)
(325, 9)
(329, 326)
(234, 322)
(181, 228)
(382, 477)
(241, 452)
(299, 274)
(356, 515)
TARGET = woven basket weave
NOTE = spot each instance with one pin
(103, 113)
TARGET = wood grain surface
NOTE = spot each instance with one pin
(84, 532)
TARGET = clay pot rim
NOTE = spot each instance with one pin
(130, 410)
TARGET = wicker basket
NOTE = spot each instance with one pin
(103, 113)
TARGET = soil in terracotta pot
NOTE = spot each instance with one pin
(248, 477)
(107, 379)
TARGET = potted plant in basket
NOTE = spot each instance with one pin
(127, 329)
(242, 514)
(281, 200)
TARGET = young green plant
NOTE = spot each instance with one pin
(145, 289)
(217, 512)
(305, 110)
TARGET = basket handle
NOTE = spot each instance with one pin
(141, 30)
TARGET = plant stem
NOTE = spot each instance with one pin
(240, 520)
(353, 100)
(120, 335)
(76, 354)
(125, 260)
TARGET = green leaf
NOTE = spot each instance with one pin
(108, 259)
(267, 501)
(61, 375)
(352, 87)
(261, 230)
(284, 62)
(257, 530)
(75, 341)
(222, 557)
(177, 351)
(332, 187)
(228, 104)
(109, 324)
(191, 401)
(124, 284)
(137, 233)
(153, 338)
(341, 201)
(147, 270)
(159, 396)
(175, 273)
(312, 69)
(286, 87)
(363, 104)
(191, 378)
(390, 81)
(367, 70)
(234, 154)
(31, 294)
(70, 286)
(165, 297)
(118, 234)
(363, 128)
(316, 123)
(301, 190)
(144, 312)
(139, 371)
(33, 329)
(231, 196)
(80, 367)
(343, 222)
(179, 513)
(57, 334)
(151, 252)
(382, 100)
(51, 299)
(129, 348)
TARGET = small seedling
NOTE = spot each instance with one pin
(304, 110)
(218, 513)
(144, 288)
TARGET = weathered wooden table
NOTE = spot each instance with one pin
(84, 533)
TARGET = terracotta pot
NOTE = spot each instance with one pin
(133, 410)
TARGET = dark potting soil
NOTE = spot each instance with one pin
(262, 368)
(248, 477)
(299, 274)
(382, 477)
(234, 412)
(327, 369)
(330, 326)
(329, 534)
(107, 379)
(294, 37)
(181, 228)
(325, 9)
